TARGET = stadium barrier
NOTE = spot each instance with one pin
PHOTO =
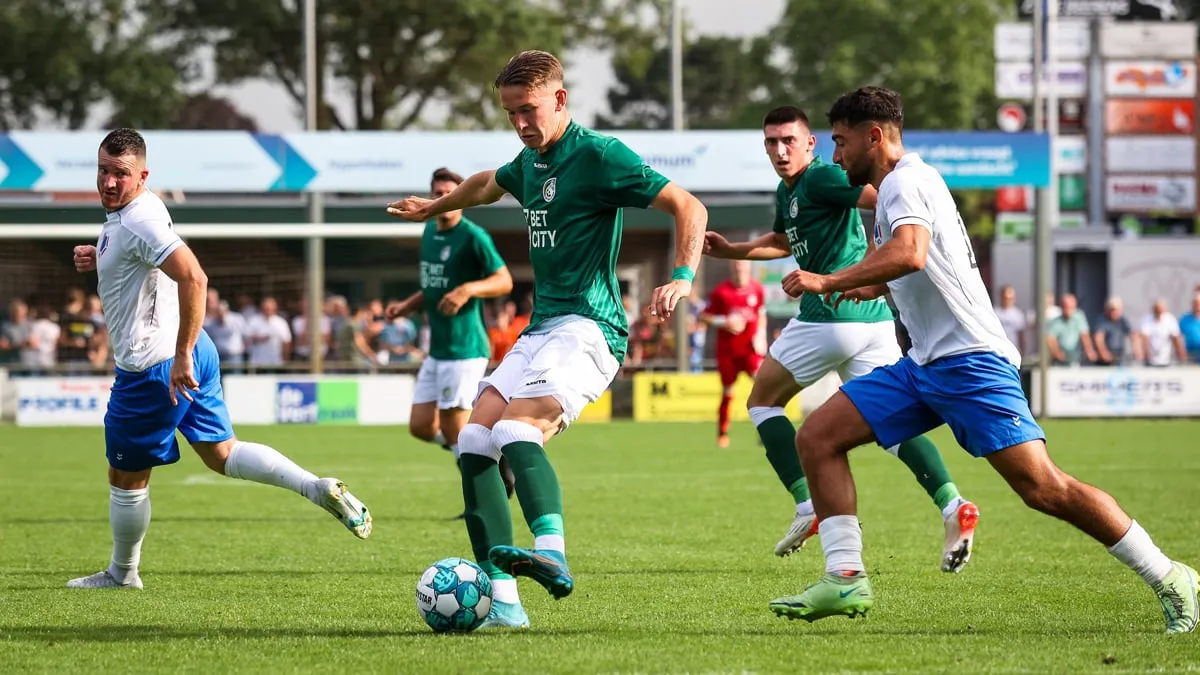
(688, 397)
(252, 399)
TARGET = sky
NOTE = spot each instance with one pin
(589, 71)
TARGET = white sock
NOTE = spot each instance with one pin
(952, 507)
(550, 542)
(263, 464)
(841, 538)
(505, 590)
(439, 438)
(454, 450)
(758, 414)
(1137, 551)
(805, 508)
(129, 517)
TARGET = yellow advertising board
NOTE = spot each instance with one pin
(686, 397)
(600, 411)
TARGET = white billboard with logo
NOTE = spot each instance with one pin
(1147, 39)
(61, 401)
(1150, 193)
(1156, 79)
(1121, 392)
(1150, 154)
(1014, 41)
(1014, 80)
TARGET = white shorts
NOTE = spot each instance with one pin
(572, 363)
(811, 350)
(453, 384)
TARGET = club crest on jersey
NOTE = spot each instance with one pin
(103, 243)
(794, 207)
(549, 189)
(752, 301)
(445, 254)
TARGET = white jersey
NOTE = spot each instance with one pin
(141, 303)
(945, 306)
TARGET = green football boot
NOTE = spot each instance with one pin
(832, 595)
(1177, 593)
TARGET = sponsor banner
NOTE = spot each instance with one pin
(1150, 116)
(1121, 392)
(1021, 226)
(1176, 194)
(1158, 79)
(400, 162)
(1014, 80)
(1012, 117)
(62, 401)
(1148, 40)
(1139, 10)
(1072, 195)
(690, 397)
(1070, 154)
(1014, 41)
(1150, 154)
(316, 402)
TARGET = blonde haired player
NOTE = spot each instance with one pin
(572, 183)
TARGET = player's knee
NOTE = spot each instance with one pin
(476, 439)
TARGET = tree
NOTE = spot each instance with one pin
(722, 79)
(937, 54)
(59, 59)
(396, 58)
(198, 112)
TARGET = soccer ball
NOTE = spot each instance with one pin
(454, 594)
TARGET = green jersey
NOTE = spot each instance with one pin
(572, 197)
(449, 259)
(819, 215)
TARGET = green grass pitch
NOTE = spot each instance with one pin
(670, 540)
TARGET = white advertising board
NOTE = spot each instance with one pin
(1150, 79)
(1150, 193)
(1147, 39)
(1014, 41)
(1122, 392)
(62, 401)
(1150, 154)
(1014, 80)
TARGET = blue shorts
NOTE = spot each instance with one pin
(979, 395)
(139, 427)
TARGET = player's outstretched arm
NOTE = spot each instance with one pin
(771, 246)
(691, 220)
(477, 190)
(183, 267)
(904, 254)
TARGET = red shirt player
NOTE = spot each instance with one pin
(736, 308)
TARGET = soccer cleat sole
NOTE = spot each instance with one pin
(959, 554)
(792, 613)
(522, 564)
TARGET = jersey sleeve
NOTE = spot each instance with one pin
(510, 177)
(904, 204)
(716, 302)
(489, 258)
(625, 179)
(154, 238)
(828, 185)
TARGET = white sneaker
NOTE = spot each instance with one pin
(332, 495)
(960, 536)
(104, 580)
(804, 525)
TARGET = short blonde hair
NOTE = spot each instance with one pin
(531, 68)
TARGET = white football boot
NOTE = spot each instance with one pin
(960, 535)
(804, 525)
(331, 494)
(104, 580)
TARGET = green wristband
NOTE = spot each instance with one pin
(683, 274)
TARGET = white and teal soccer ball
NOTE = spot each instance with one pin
(454, 594)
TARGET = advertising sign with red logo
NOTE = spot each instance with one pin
(1158, 79)
(1150, 116)
(1176, 194)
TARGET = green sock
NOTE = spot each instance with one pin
(489, 522)
(537, 487)
(779, 438)
(923, 459)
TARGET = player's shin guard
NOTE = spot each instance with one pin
(921, 457)
(263, 464)
(537, 484)
(779, 438)
(129, 517)
(488, 519)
